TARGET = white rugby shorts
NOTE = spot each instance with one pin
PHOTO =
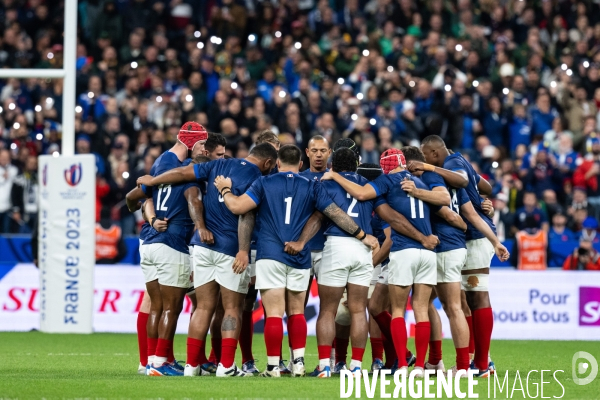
(210, 265)
(450, 264)
(252, 266)
(383, 275)
(345, 260)
(479, 254)
(142, 251)
(169, 266)
(376, 273)
(411, 266)
(273, 274)
(315, 261)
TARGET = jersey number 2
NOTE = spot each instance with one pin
(167, 192)
(350, 213)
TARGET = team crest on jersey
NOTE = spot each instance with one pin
(243, 163)
(290, 175)
(73, 174)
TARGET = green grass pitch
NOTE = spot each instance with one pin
(103, 366)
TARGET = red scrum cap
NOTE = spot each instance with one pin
(392, 159)
(191, 133)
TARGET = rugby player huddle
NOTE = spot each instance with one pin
(220, 229)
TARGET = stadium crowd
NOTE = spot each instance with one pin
(513, 85)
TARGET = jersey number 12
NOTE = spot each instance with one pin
(166, 190)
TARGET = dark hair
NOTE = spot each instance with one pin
(267, 136)
(369, 171)
(346, 143)
(215, 140)
(264, 151)
(105, 213)
(433, 139)
(200, 159)
(290, 154)
(344, 160)
(412, 153)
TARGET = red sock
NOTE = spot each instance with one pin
(462, 358)
(228, 348)
(246, 336)
(341, 349)
(297, 331)
(357, 354)
(483, 324)
(471, 335)
(376, 348)
(163, 347)
(398, 332)
(215, 352)
(390, 353)
(324, 352)
(195, 352)
(151, 346)
(142, 336)
(171, 355)
(435, 352)
(384, 321)
(422, 333)
(273, 336)
(211, 357)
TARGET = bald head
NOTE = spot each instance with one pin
(435, 150)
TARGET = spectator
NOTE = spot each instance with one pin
(8, 174)
(559, 235)
(531, 251)
(543, 174)
(24, 196)
(110, 246)
(586, 176)
(503, 218)
(530, 209)
(584, 258)
(589, 230)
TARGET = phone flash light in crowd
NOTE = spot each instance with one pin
(569, 72)
(234, 85)
(373, 121)
(125, 175)
(475, 84)
(1, 109)
(251, 38)
(39, 136)
(282, 94)
(13, 146)
(90, 95)
(55, 154)
(341, 81)
(50, 101)
(495, 164)
(447, 88)
(411, 83)
(12, 106)
(189, 98)
(78, 109)
(553, 84)
(50, 56)
(390, 69)
(134, 64)
(277, 34)
(216, 40)
(458, 47)
(563, 67)
(298, 45)
(38, 108)
(16, 125)
(359, 96)
(200, 45)
(366, 53)
(586, 64)
(197, 34)
(354, 117)
(505, 91)
(159, 99)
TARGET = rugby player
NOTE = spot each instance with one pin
(287, 201)
(459, 173)
(220, 267)
(166, 263)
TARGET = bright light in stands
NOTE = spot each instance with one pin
(553, 84)
(216, 40)
(298, 45)
(475, 83)
(12, 106)
(38, 108)
(134, 64)
(16, 125)
(563, 67)
(341, 81)
(411, 83)
(277, 34)
(91, 95)
(505, 91)
(251, 38)
(55, 154)
(354, 117)
(495, 164)
(125, 175)
(200, 45)
(1, 109)
(390, 69)
(458, 47)
(447, 88)
(197, 34)
(366, 53)
(159, 99)
(282, 94)
(13, 146)
(569, 72)
(586, 64)
(234, 85)
(78, 109)
(50, 100)
(50, 56)
(359, 96)
(372, 121)
(189, 98)
(39, 136)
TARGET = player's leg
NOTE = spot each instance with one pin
(330, 298)
(247, 332)
(215, 333)
(434, 361)
(274, 303)
(153, 289)
(379, 304)
(399, 299)
(359, 330)
(449, 294)
(142, 334)
(206, 301)
(375, 335)
(231, 326)
(296, 281)
(469, 317)
(420, 304)
(342, 335)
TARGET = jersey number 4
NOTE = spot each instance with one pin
(166, 191)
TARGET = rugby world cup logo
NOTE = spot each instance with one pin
(73, 174)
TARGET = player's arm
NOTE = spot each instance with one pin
(470, 214)
(484, 187)
(310, 229)
(347, 224)
(196, 210)
(452, 218)
(134, 198)
(360, 193)
(245, 228)
(400, 224)
(438, 196)
(149, 215)
(386, 246)
(172, 177)
(236, 204)
(488, 208)
(458, 179)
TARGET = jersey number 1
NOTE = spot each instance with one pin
(288, 209)
(167, 192)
